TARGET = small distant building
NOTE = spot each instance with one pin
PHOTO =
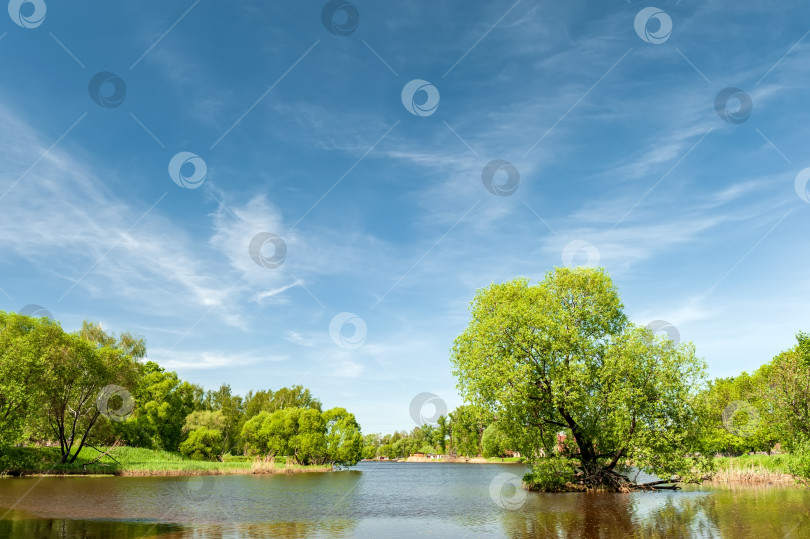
(561, 437)
(418, 455)
(512, 453)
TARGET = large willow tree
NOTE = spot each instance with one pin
(561, 356)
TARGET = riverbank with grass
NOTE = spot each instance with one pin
(755, 470)
(466, 460)
(135, 461)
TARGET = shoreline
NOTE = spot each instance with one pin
(454, 460)
(169, 473)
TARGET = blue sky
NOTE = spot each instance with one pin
(622, 155)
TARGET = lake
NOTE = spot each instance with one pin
(385, 500)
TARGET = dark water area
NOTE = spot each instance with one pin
(384, 500)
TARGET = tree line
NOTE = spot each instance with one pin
(467, 431)
(92, 388)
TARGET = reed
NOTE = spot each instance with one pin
(753, 469)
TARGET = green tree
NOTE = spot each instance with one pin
(441, 433)
(203, 443)
(286, 397)
(561, 355)
(495, 442)
(296, 432)
(736, 411)
(163, 401)
(786, 391)
(371, 445)
(24, 344)
(205, 437)
(468, 424)
(77, 367)
(232, 410)
(344, 441)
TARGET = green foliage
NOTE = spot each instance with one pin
(467, 425)
(24, 343)
(550, 474)
(296, 432)
(561, 355)
(495, 442)
(77, 368)
(344, 441)
(736, 411)
(202, 443)
(785, 392)
(162, 402)
(286, 397)
(231, 408)
(799, 463)
(205, 418)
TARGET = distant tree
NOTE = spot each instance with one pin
(371, 445)
(296, 432)
(162, 401)
(442, 432)
(293, 397)
(286, 397)
(468, 423)
(495, 442)
(205, 437)
(786, 389)
(202, 443)
(232, 409)
(737, 416)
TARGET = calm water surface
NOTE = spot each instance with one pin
(384, 500)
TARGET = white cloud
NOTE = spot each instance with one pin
(189, 360)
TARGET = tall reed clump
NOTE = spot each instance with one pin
(752, 472)
(263, 465)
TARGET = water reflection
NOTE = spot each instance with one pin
(716, 512)
(390, 500)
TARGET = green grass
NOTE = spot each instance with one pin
(505, 459)
(127, 461)
(771, 463)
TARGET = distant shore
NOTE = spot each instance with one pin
(132, 461)
(456, 460)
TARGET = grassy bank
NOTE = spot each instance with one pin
(468, 460)
(136, 461)
(754, 469)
